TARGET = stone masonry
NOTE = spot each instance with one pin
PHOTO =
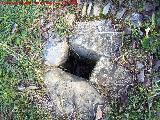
(72, 94)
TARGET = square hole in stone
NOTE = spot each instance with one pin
(78, 65)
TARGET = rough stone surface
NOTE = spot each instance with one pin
(89, 8)
(110, 74)
(97, 40)
(71, 94)
(106, 9)
(55, 51)
(96, 37)
(136, 19)
(120, 13)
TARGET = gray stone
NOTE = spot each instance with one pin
(139, 65)
(14, 28)
(127, 30)
(45, 35)
(95, 40)
(157, 66)
(96, 37)
(111, 75)
(106, 9)
(21, 88)
(120, 13)
(136, 19)
(32, 87)
(141, 76)
(89, 8)
(55, 54)
(70, 93)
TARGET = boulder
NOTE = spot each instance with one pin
(111, 75)
(71, 95)
(55, 52)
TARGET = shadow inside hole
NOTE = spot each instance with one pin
(78, 65)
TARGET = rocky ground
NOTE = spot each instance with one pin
(99, 57)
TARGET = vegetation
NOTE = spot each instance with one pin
(143, 102)
(20, 60)
(20, 48)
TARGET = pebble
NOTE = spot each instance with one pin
(106, 9)
(141, 76)
(21, 88)
(14, 29)
(32, 87)
(56, 55)
(89, 8)
(136, 19)
(139, 65)
(120, 13)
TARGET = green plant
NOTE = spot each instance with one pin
(20, 51)
(142, 104)
(61, 26)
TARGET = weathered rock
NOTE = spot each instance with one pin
(55, 52)
(139, 65)
(141, 76)
(106, 9)
(95, 37)
(120, 13)
(136, 19)
(89, 8)
(14, 28)
(71, 94)
(111, 75)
